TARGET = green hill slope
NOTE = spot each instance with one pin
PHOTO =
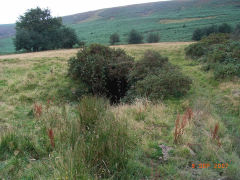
(174, 20)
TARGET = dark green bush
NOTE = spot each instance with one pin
(199, 33)
(225, 28)
(135, 37)
(103, 70)
(153, 38)
(218, 53)
(201, 48)
(114, 38)
(195, 50)
(226, 71)
(219, 38)
(155, 78)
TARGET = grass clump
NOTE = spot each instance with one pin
(97, 144)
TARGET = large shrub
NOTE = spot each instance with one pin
(195, 50)
(103, 70)
(201, 48)
(155, 78)
(135, 37)
(197, 34)
(218, 53)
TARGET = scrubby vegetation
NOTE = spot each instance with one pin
(154, 77)
(113, 74)
(199, 33)
(218, 53)
(103, 70)
(46, 135)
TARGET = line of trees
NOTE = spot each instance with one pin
(135, 37)
(199, 33)
(37, 30)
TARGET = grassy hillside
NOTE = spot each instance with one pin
(174, 20)
(35, 93)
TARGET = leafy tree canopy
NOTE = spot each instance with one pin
(114, 38)
(37, 30)
(135, 37)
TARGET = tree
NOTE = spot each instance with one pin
(135, 37)
(37, 30)
(114, 38)
(197, 35)
(210, 30)
(153, 38)
(225, 28)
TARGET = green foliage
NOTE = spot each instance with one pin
(195, 50)
(198, 34)
(114, 38)
(21, 146)
(225, 28)
(219, 53)
(103, 70)
(104, 145)
(155, 78)
(37, 30)
(153, 38)
(135, 37)
(97, 26)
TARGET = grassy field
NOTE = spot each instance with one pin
(173, 20)
(34, 90)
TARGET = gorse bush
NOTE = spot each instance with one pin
(155, 78)
(218, 53)
(103, 70)
(195, 50)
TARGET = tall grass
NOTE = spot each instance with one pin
(87, 141)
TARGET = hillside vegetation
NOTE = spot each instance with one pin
(173, 20)
(47, 134)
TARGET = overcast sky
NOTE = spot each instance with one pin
(11, 9)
